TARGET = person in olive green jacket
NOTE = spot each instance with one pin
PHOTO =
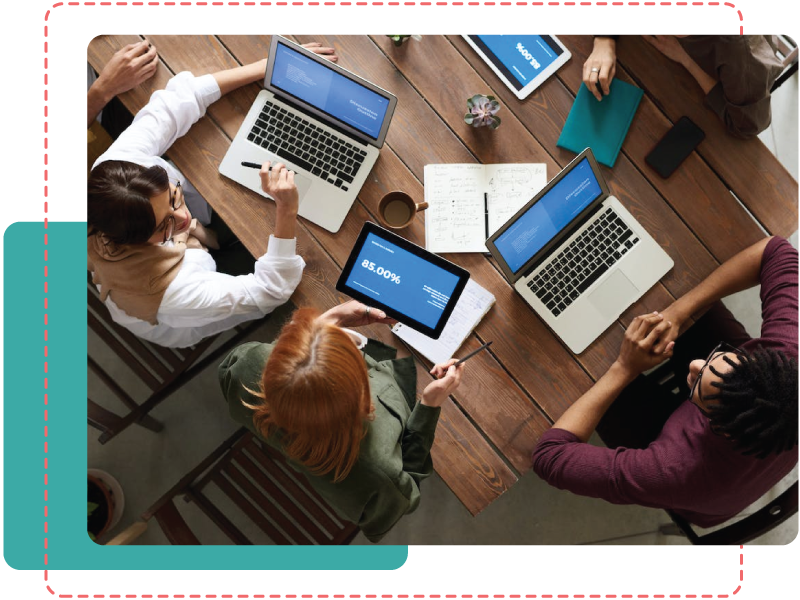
(343, 410)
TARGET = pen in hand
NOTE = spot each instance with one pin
(473, 353)
(253, 165)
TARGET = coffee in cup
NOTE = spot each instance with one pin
(397, 210)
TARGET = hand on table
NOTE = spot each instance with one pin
(317, 48)
(668, 45)
(356, 314)
(604, 59)
(449, 378)
(643, 347)
(129, 67)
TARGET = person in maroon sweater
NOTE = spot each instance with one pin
(710, 456)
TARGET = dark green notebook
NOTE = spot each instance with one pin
(600, 125)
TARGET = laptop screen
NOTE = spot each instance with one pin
(547, 217)
(329, 91)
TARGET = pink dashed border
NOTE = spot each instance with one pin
(324, 596)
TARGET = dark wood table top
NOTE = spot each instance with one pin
(512, 393)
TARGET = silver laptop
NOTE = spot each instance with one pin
(576, 255)
(322, 121)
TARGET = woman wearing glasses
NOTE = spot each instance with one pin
(728, 437)
(155, 264)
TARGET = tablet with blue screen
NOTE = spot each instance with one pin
(412, 285)
(522, 62)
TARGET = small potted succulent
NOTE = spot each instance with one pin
(482, 111)
(398, 40)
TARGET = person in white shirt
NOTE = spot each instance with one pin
(149, 257)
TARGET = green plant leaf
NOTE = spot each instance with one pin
(92, 506)
(495, 122)
(91, 537)
(469, 118)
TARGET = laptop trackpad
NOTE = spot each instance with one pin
(614, 295)
(303, 183)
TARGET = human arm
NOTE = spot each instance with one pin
(355, 314)
(670, 47)
(128, 67)
(738, 90)
(200, 296)
(401, 494)
(738, 273)
(231, 79)
(278, 182)
(604, 59)
(635, 356)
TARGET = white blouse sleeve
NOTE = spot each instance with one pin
(167, 116)
(198, 297)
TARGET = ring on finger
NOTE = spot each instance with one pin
(595, 70)
(366, 311)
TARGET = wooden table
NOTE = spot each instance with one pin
(513, 393)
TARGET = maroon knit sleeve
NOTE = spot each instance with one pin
(778, 298)
(620, 476)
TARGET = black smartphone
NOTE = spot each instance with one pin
(674, 147)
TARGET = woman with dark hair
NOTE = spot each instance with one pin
(150, 257)
(735, 73)
(343, 410)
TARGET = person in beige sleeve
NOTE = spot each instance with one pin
(735, 72)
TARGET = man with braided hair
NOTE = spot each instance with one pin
(730, 436)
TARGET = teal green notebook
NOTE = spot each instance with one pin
(601, 125)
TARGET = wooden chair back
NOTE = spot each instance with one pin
(161, 370)
(265, 491)
(787, 52)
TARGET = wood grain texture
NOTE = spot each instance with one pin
(695, 191)
(746, 166)
(198, 155)
(510, 394)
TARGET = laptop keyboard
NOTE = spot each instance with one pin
(581, 263)
(293, 138)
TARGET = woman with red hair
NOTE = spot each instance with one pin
(343, 410)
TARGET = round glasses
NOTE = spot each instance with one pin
(175, 201)
(721, 348)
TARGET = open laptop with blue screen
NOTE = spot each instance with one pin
(325, 123)
(576, 255)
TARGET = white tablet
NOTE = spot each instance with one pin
(523, 62)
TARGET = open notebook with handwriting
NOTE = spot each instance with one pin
(473, 304)
(469, 202)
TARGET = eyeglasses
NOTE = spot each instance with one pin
(175, 201)
(721, 348)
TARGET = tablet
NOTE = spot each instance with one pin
(412, 285)
(523, 62)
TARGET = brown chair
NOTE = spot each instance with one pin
(261, 485)
(787, 52)
(739, 532)
(744, 530)
(162, 370)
